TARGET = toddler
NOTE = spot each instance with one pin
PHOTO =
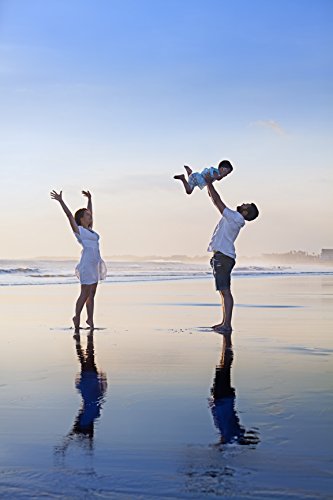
(199, 178)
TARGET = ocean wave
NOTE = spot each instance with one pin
(71, 275)
(262, 268)
(291, 272)
(19, 270)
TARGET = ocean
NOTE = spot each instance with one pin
(60, 272)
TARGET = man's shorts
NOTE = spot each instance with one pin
(222, 266)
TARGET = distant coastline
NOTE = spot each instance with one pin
(292, 257)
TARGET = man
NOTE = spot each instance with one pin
(222, 245)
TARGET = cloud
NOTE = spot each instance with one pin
(270, 125)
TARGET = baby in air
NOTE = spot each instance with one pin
(199, 178)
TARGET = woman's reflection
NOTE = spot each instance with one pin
(223, 402)
(91, 384)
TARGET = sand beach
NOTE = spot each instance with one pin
(137, 410)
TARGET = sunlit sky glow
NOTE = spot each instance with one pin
(116, 96)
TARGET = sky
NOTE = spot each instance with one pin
(116, 96)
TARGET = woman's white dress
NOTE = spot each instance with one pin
(91, 267)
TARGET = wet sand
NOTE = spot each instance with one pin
(155, 404)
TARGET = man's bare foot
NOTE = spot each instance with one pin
(76, 322)
(180, 177)
(223, 329)
(217, 326)
(188, 170)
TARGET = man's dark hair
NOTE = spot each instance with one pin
(252, 212)
(78, 215)
(226, 164)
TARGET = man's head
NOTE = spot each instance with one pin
(225, 167)
(248, 210)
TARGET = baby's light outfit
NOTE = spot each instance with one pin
(198, 178)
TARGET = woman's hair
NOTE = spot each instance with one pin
(252, 212)
(78, 215)
(225, 164)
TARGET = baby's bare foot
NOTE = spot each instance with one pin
(188, 170)
(181, 176)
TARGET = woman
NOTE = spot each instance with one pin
(91, 267)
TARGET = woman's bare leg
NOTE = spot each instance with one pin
(79, 306)
(187, 187)
(90, 305)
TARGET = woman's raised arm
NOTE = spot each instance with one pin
(58, 197)
(87, 194)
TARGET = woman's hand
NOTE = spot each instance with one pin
(56, 196)
(87, 194)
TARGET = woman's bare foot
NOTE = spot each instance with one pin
(180, 177)
(90, 323)
(76, 322)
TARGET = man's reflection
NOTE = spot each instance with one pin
(223, 401)
(91, 384)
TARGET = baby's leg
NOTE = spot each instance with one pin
(187, 187)
(188, 170)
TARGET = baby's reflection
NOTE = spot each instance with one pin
(222, 404)
(92, 385)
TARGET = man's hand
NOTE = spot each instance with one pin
(208, 179)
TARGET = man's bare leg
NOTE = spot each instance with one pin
(187, 187)
(223, 313)
(227, 308)
(228, 301)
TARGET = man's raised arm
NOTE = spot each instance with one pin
(216, 199)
